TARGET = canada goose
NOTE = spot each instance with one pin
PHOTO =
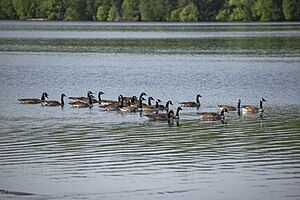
(212, 116)
(129, 107)
(161, 116)
(254, 109)
(55, 103)
(84, 104)
(231, 108)
(83, 99)
(115, 106)
(192, 103)
(34, 100)
(106, 102)
(151, 108)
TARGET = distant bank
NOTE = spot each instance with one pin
(151, 10)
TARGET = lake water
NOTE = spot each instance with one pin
(67, 153)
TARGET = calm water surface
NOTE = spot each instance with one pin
(67, 153)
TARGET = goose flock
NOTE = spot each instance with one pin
(157, 112)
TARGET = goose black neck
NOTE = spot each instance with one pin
(239, 105)
(167, 104)
(99, 97)
(141, 95)
(198, 99)
(149, 101)
(62, 100)
(177, 112)
(90, 99)
(140, 103)
(43, 96)
(261, 104)
(156, 106)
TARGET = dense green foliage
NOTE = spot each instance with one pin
(152, 10)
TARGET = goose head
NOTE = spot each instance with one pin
(262, 99)
(143, 94)
(169, 103)
(149, 100)
(46, 94)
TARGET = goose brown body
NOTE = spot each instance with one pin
(83, 99)
(231, 108)
(161, 116)
(54, 103)
(212, 116)
(83, 104)
(34, 100)
(192, 103)
(254, 109)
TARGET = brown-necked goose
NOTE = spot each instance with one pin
(212, 116)
(254, 109)
(192, 103)
(34, 100)
(54, 103)
(231, 108)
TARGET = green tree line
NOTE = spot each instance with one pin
(152, 10)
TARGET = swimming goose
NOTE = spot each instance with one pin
(212, 116)
(115, 106)
(129, 107)
(192, 103)
(161, 116)
(84, 104)
(55, 103)
(106, 102)
(83, 99)
(231, 108)
(254, 109)
(34, 100)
